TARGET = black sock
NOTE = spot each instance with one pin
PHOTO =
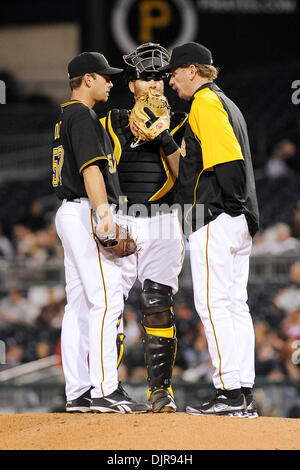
(246, 390)
(231, 393)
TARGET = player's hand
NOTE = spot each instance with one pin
(106, 228)
(114, 237)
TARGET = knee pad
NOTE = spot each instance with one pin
(156, 305)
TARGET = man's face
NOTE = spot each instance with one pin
(101, 88)
(138, 87)
(180, 82)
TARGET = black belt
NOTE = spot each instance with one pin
(148, 213)
(77, 199)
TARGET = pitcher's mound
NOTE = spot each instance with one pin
(177, 431)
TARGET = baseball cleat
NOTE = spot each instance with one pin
(118, 402)
(80, 404)
(221, 405)
(162, 401)
(251, 407)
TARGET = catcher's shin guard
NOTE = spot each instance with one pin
(159, 339)
(160, 356)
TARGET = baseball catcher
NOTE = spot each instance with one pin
(146, 142)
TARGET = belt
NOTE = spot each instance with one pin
(150, 213)
(78, 199)
(114, 208)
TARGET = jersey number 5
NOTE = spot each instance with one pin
(112, 164)
(57, 163)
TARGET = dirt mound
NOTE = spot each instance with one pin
(178, 431)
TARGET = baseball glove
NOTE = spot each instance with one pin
(149, 117)
(120, 242)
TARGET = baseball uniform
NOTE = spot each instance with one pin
(94, 303)
(150, 188)
(93, 275)
(216, 173)
(216, 182)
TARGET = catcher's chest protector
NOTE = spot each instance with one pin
(141, 171)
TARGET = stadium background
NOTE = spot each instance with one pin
(254, 42)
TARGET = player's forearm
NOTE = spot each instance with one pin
(173, 162)
(96, 190)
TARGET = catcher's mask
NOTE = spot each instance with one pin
(145, 61)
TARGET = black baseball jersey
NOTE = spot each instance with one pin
(79, 141)
(215, 171)
(144, 175)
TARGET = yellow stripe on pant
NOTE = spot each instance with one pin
(209, 311)
(105, 297)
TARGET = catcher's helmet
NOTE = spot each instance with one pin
(145, 61)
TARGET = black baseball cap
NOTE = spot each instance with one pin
(189, 53)
(90, 62)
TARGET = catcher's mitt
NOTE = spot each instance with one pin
(120, 242)
(149, 117)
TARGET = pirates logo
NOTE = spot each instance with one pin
(135, 22)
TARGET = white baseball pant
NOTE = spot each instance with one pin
(94, 303)
(160, 251)
(219, 256)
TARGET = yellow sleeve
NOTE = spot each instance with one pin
(211, 126)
